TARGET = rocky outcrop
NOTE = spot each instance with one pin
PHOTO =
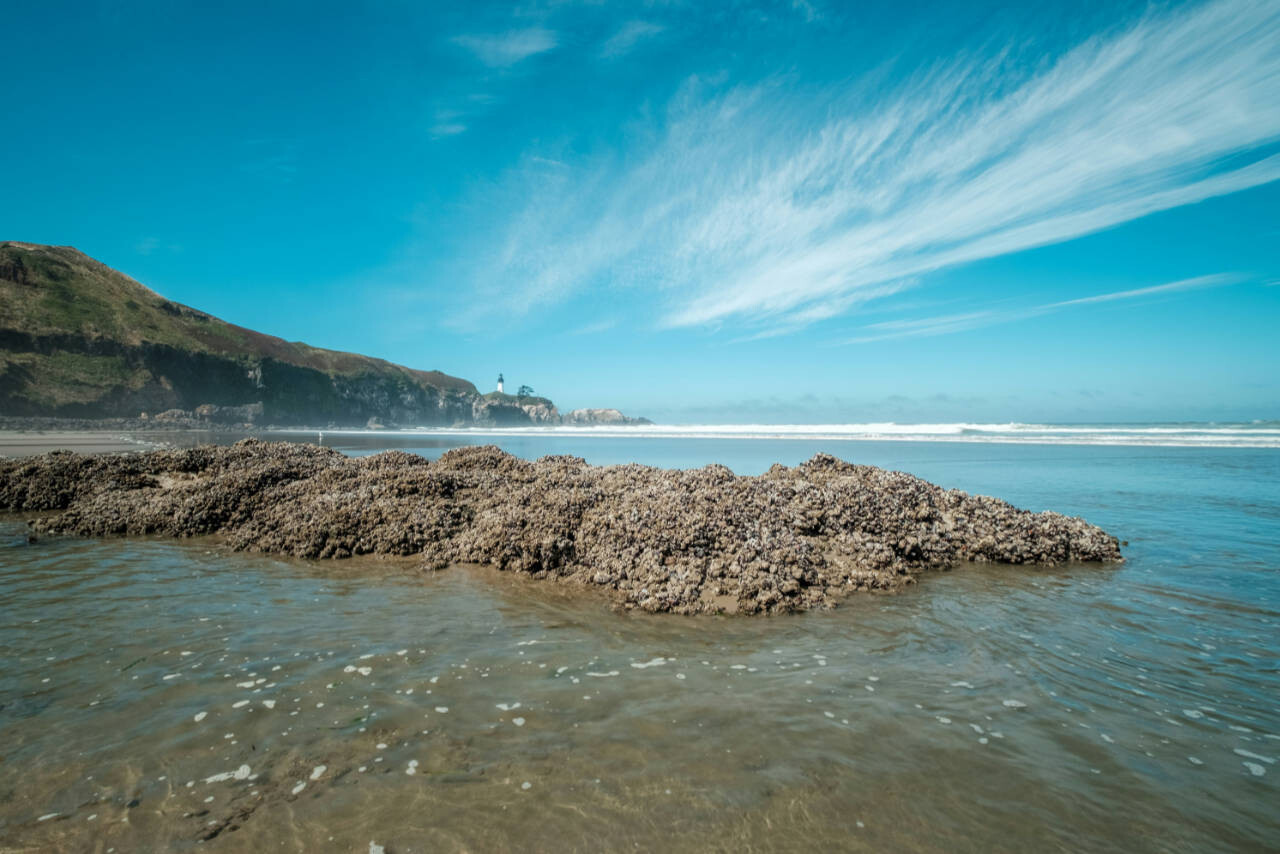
(499, 410)
(541, 413)
(249, 413)
(601, 417)
(491, 411)
(697, 541)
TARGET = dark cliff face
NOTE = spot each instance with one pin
(156, 377)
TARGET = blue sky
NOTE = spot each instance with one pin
(794, 211)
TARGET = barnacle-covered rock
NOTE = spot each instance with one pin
(696, 541)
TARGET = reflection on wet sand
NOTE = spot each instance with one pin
(161, 693)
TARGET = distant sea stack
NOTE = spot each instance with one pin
(692, 542)
(80, 340)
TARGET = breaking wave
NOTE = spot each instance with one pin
(1260, 434)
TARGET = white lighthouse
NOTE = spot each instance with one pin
(500, 384)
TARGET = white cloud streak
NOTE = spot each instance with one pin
(627, 37)
(596, 327)
(772, 207)
(443, 129)
(948, 323)
(1172, 287)
(502, 50)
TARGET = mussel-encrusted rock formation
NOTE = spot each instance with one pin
(697, 541)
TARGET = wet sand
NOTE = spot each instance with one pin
(177, 696)
(1116, 707)
(15, 443)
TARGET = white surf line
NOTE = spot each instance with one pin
(1206, 436)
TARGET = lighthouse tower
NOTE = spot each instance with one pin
(500, 384)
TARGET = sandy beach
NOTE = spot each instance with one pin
(23, 443)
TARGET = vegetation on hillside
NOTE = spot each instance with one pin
(49, 290)
(80, 339)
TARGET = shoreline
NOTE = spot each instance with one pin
(28, 443)
(34, 435)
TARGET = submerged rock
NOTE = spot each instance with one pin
(696, 541)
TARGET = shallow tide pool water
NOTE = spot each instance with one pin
(174, 695)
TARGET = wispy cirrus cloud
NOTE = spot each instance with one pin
(627, 37)
(960, 322)
(502, 50)
(596, 327)
(806, 9)
(447, 127)
(772, 206)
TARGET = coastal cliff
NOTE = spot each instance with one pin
(80, 340)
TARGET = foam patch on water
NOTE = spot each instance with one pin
(241, 773)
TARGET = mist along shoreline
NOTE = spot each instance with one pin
(692, 542)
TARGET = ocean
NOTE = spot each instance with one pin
(175, 695)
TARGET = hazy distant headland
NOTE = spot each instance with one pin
(79, 340)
